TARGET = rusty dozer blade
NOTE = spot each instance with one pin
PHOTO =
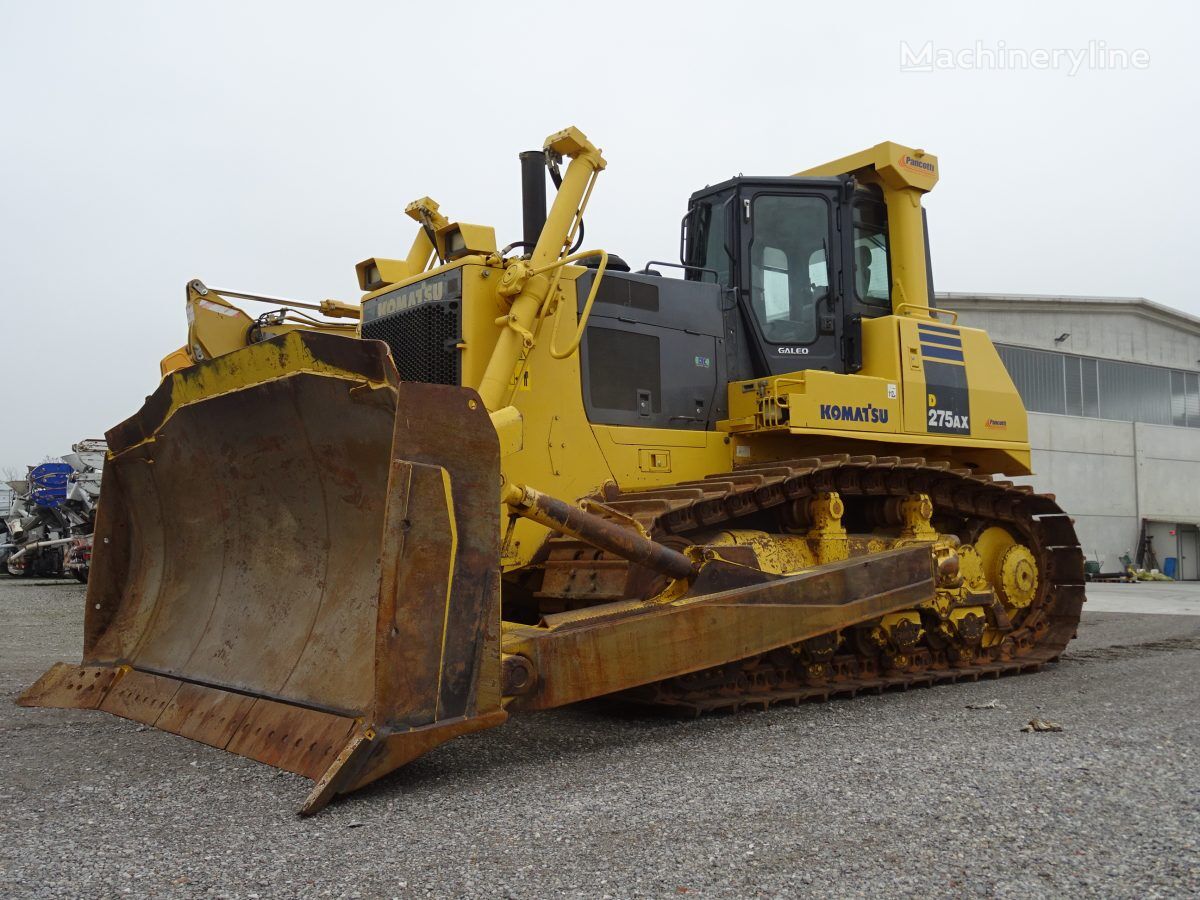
(296, 560)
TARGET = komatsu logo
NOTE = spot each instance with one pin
(431, 290)
(425, 292)
(847, 413)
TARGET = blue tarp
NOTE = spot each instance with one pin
(49, 481)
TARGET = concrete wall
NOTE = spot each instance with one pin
(1110, 475)
(1169, 472)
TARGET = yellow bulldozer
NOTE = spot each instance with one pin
(527, 476)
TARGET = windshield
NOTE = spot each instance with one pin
(789, 273)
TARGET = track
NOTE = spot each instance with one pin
(964, 503)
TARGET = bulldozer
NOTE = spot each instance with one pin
(527, 476)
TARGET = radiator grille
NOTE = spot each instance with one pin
(423, 341)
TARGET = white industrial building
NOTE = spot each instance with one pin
(1112, 385)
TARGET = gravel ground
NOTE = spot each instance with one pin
(906, 794)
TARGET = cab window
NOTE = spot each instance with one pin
(706, 242)
(789, 272)
(872, 274)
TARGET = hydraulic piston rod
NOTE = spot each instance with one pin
(597, 531)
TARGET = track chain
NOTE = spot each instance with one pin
(1039, 636)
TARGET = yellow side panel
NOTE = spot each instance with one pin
(924, 384)
(481, 306)
(997, 409)
(881, 348)
(649, 457)
(845, 402)
(936, 359)
(656, 437)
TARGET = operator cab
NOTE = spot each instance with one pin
(801, 262)
(779, 274)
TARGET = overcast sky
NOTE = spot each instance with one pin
(267, 147)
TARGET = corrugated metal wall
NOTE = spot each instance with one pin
(1038, 375)
(1067, 384)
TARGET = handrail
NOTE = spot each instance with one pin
(933, 310)
(685, 266)
(587, 307)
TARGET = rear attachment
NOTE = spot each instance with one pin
(271, 580)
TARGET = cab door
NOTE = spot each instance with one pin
(790, 277)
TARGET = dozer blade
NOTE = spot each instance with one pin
(296, 560)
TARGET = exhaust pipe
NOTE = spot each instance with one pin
(533, 196)
(36, 545)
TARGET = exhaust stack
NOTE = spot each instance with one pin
(533, 196)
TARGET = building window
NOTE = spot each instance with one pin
(1178, 399)
(1133, 393)
(1074, 385)
(1062, 383)
(1091, 388)
(1038, 375)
